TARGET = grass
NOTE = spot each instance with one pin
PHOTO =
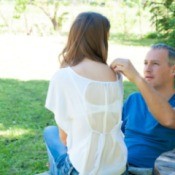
(131, 39)
(22, 120)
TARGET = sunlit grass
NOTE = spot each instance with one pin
(14, 133)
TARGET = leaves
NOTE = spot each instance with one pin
(20, 7)
(163, 17)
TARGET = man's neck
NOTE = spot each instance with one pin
(166, 93)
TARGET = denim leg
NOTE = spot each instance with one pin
(55, 148)
(66, 168)
(139, 171)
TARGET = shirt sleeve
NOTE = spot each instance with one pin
(56, 102)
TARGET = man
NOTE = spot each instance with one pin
(149, 115)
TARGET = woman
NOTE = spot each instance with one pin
(86, 96)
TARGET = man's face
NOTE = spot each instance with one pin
(157, 71)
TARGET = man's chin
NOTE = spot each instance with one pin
(150, 82)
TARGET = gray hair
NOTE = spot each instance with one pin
(171, 52)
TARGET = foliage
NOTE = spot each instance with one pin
(20, 7)
(48, 17)
(163, 17)
(49, 8)
(23, 118)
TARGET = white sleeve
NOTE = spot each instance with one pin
(56, 102)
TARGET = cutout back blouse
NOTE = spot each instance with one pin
(89, 112)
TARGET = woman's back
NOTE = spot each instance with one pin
(92, 117)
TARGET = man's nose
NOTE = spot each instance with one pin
(148, 68)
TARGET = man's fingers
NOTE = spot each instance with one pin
(116, 63)
(118, 69)
(120, 61)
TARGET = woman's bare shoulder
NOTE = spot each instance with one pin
(95, 70)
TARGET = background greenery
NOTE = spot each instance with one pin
(144, 18)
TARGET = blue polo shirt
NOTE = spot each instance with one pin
(145, 138)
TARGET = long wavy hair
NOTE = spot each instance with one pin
(88, 38)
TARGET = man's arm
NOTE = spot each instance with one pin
(158, 105)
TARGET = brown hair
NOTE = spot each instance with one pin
(88, 37)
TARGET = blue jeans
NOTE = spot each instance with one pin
(139, 171)
(59, 162)
(57, 152)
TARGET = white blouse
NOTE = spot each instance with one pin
(89, 112)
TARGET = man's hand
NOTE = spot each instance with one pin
(125, 67)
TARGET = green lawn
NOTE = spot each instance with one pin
(131, 39)
(22, 120)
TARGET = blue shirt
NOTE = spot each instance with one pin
(145, 138)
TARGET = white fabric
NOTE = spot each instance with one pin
(89, 112)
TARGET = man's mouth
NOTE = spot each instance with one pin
(149, 77)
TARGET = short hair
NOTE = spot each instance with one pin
(88, 38)
(171, 52)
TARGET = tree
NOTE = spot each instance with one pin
(48, 7)
(163, 17)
